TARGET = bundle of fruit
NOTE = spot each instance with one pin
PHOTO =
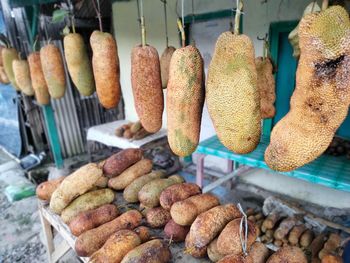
(132, 131)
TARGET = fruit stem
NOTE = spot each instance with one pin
(238, 16)
(98, 13)
(143, 31)
(183, 36)
(325, 4)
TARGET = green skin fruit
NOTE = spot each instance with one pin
(78, 63)
(8, 56)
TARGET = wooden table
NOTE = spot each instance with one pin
(49, 220)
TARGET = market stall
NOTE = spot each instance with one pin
(209, 94)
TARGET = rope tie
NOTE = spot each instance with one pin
(243, 230)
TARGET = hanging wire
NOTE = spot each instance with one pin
(166, 23)
(71, 15)
(143, 27)
(182, 14)
(243, 230)
(139, 16)
(98, 12)
(192, 24)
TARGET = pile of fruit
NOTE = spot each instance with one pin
(85, 201)
(132, 131)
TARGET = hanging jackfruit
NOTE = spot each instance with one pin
(78, 63)
(165, 64)
(3, 77)
(321, 98)
(8, 56)
(185, 98)
(53, 69)
(147, 87)
(38, 80)
(293, 37)
(232, 94)
(22, 76)
(266, 87)
(105, 64)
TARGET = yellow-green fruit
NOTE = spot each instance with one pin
(105, 64)
(185, 98)
(38, 81)
(53, 69)
(8, 56)
(321, 99)
(3, 77)
(78, 63)
(22, 76)
(165, 64)
(232, 93)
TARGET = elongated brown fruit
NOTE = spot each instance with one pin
(38, 81)
(53, 69)
(8, 56)
(165, 64)
(321, 99)
(22, 76)
(266, 87)
(147, 87)
(105, 64)
(232, 94)
(185, 98)
(78, 63)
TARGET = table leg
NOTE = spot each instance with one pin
(200, 169)
(47, 235)
(229, 166)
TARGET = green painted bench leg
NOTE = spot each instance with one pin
(53, 135)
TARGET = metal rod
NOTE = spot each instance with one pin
(166, 24)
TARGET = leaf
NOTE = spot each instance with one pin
(59, 15)
(66, 30)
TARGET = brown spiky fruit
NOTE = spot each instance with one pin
(185, 98)
(232, 94)
(321, 98)
(266, 87)
(105, 64)
(78, 64)
(53, 69)
(165, 64)
(147, 87)
(38, 81)
(288, 254)
(22, 76)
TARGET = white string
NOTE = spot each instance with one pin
(237, 8)
(98, 7)
(182, 13)
(244, 220)
(141, 8)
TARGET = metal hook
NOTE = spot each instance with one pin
(263, 38)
